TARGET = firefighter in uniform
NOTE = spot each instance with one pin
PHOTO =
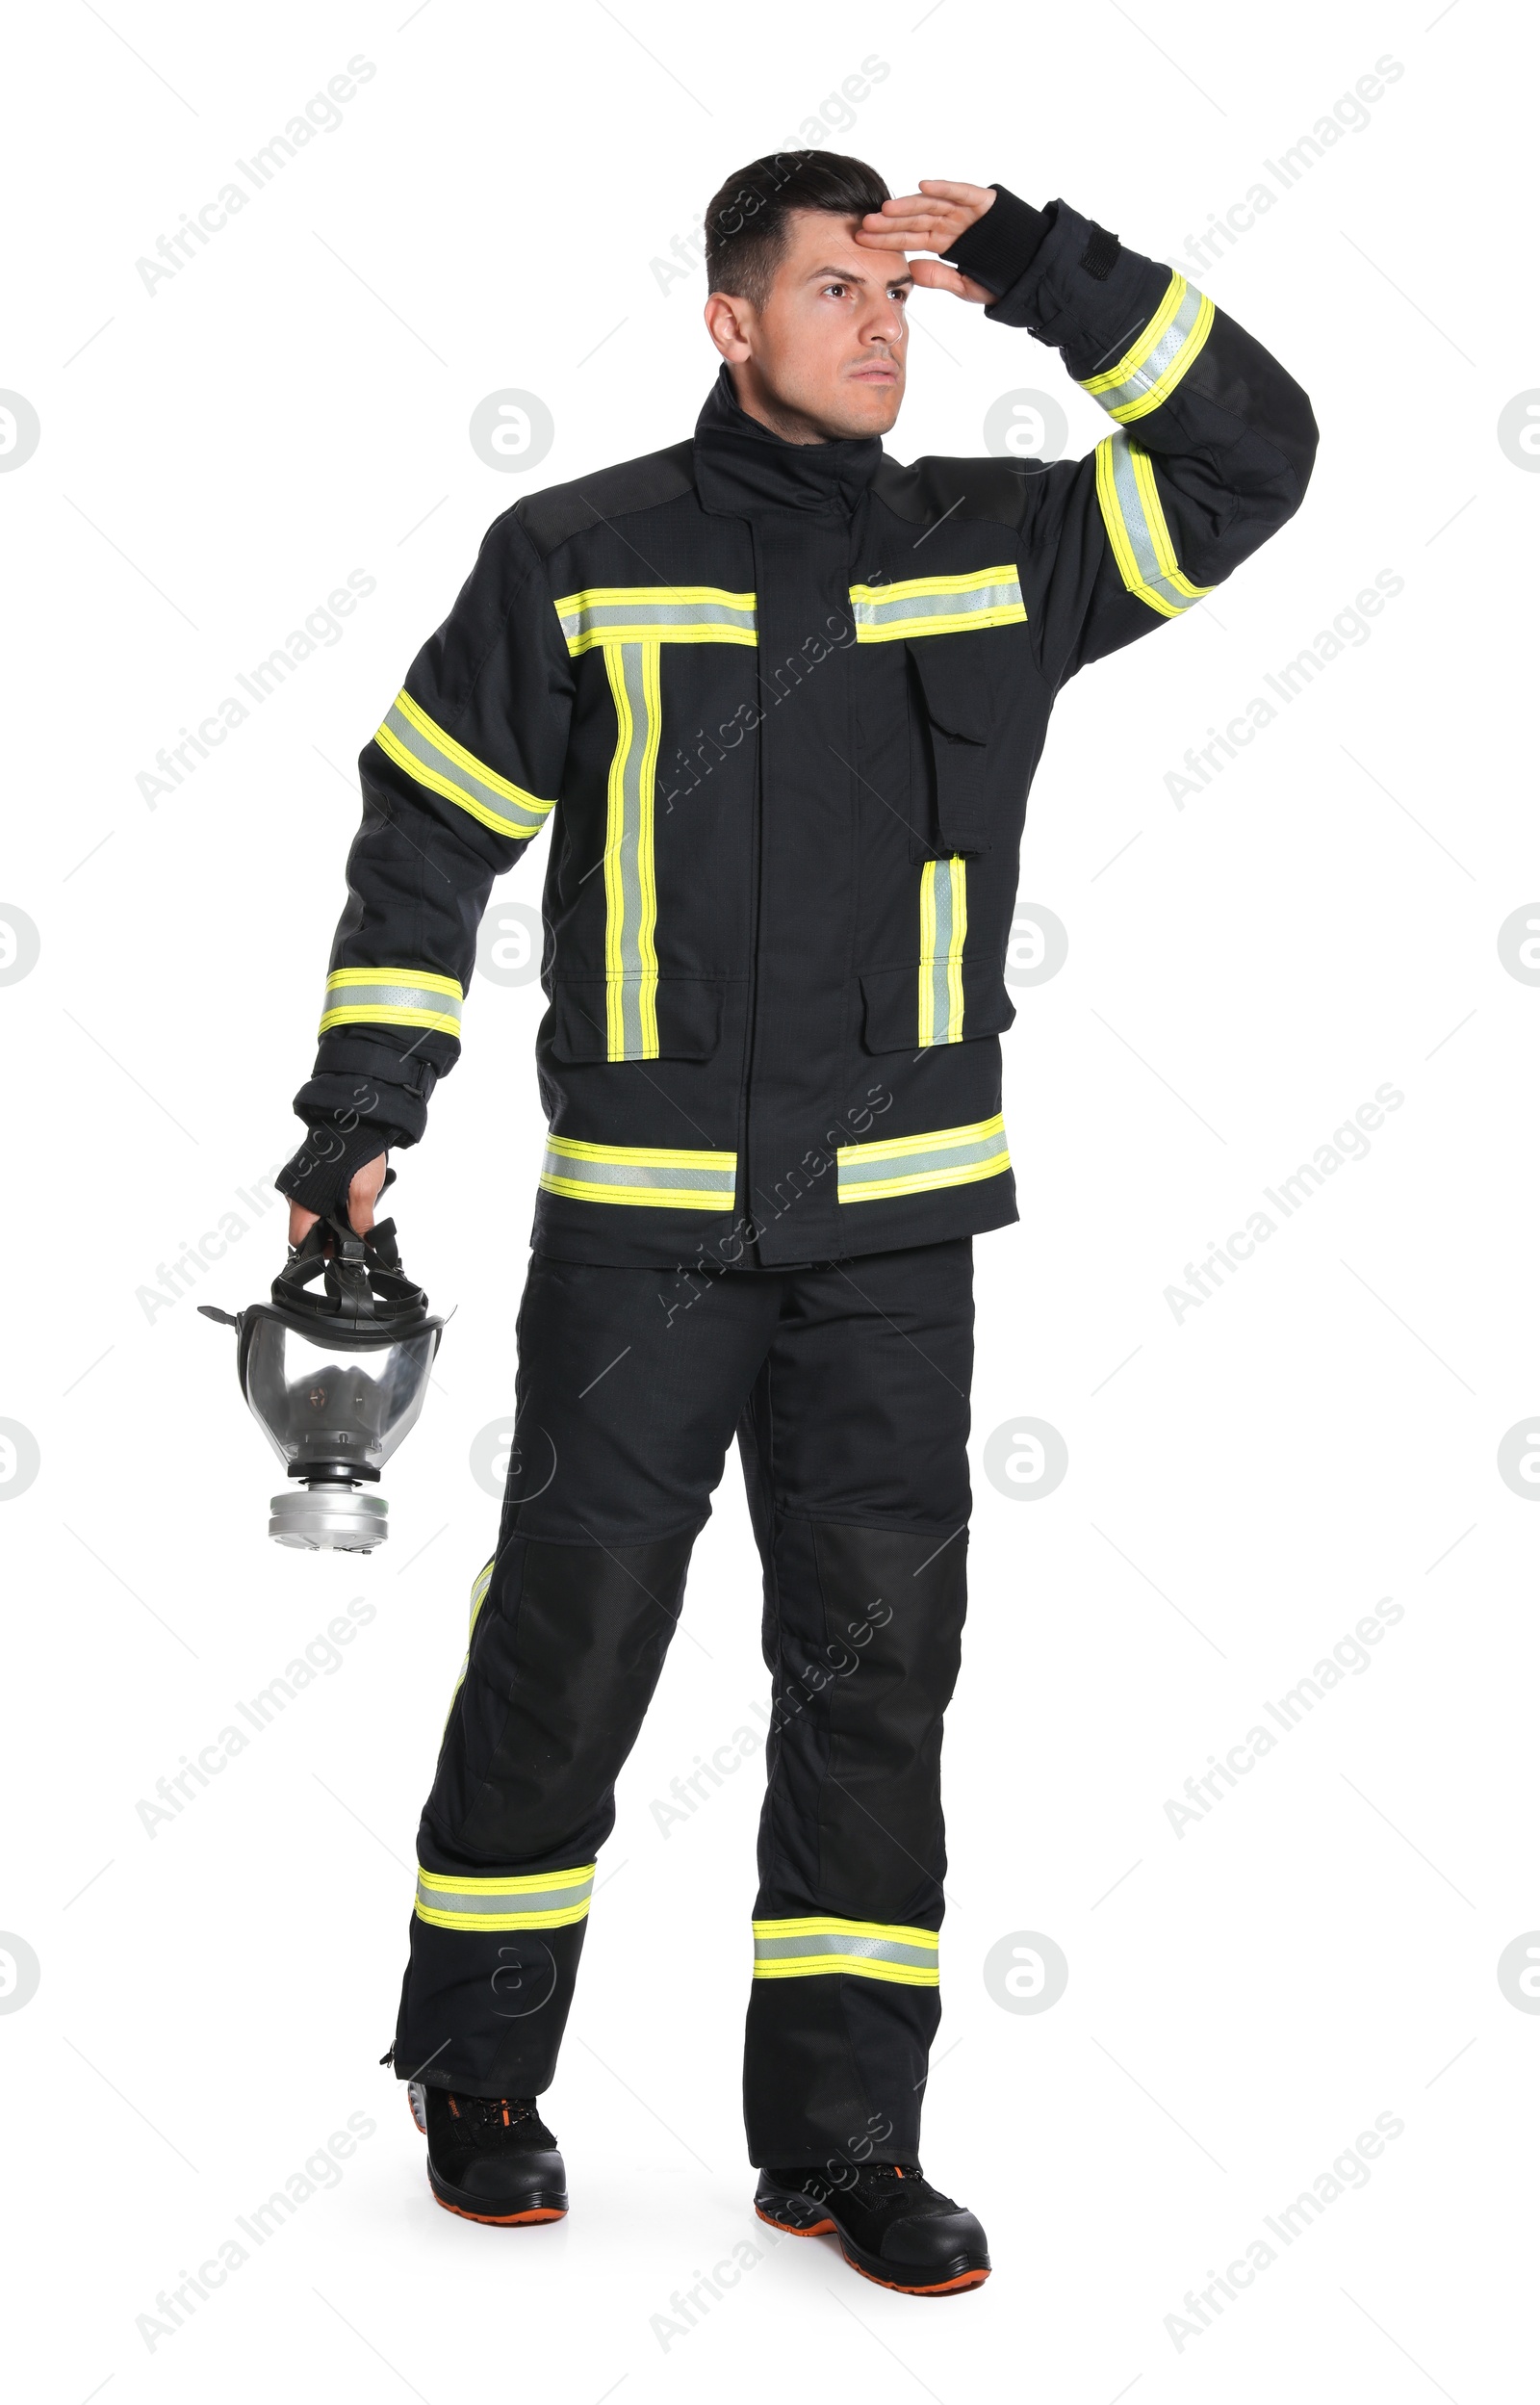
(780, 698)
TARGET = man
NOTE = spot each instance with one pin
(781, 698)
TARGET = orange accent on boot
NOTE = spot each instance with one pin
(796, 2229)
(504, 2222)
(941, 2288)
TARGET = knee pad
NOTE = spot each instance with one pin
(567, 1651)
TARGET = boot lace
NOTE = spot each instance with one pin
(491, 2113)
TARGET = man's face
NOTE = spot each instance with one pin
(824, 358)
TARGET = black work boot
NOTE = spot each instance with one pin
(892, 2226)
(490, 2158)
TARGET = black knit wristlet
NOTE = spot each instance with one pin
(322, 1171)
(1001, 245)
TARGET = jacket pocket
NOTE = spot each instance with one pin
(952, 701)
(897, 1003)
(583, 1022)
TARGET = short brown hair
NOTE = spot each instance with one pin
(746, 221)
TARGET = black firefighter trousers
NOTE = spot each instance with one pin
(847, 1385)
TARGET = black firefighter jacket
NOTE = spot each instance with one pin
(781, 706)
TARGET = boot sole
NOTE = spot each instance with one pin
(470, 2211)
(870, 2266)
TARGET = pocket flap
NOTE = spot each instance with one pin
(890, 1006)
(959, 698)
(577, 1025)
(960, 693)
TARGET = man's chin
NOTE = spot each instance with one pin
(867, 409)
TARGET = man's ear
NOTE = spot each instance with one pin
(728, 320)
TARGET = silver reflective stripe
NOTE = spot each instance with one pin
(674, 613)
(608, 617)
(1140, 388)
(854, 1172)
(456, 767)
(937, 605)
(1136, 525)
(937, 969)
(474, 1900)
(904, 602)
(350, 1001)
(871, 1949)
(503, 1901)
(630, 960)
(658, 1170)
(943, 932)
(639, 1175)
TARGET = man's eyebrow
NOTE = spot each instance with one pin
(899, 275)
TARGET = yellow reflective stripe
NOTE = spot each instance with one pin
(630, 884)
(537, 1899)
(614, 839)
(607, 614)
(392, 997)
(817, 1948)
(432, 758)
(900, 1165)
(429, 978)
(943, 933)
(954, 957)
(1155, 363)
(927, 993)
(1137, 529)
(937, 605)
(478, 1596)
(643, 1175)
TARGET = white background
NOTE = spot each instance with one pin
(1243, 1483)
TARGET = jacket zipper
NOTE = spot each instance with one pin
(751, 1029)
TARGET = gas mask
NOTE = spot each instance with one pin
(335, 1378)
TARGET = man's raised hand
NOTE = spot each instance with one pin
(930, 220)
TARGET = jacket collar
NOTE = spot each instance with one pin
(742, 469)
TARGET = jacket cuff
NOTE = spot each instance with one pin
(1000, 245)
(356, 1077)
(1083, 292)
